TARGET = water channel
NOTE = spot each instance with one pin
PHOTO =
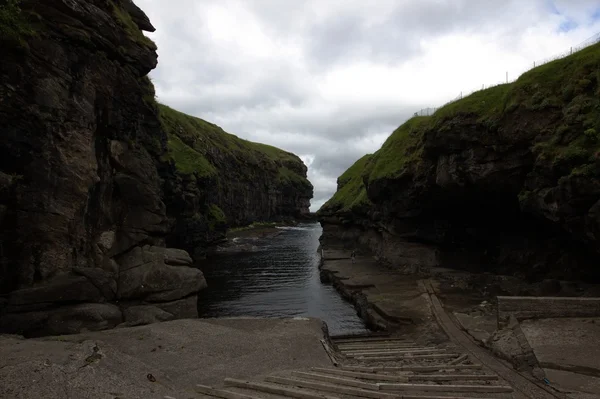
(279, 277)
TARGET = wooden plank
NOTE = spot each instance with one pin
(335, 380)
(453, 377)
(445, 388)
(394, 352)
(414, 357)
(408, 378)
(364, 376)
(275, 389)
(460, 359)
(376, 334)
(375, 346)
(337, 389)
(416, 369)
(330, 352)
(362, 340)
(220, 393)
(391, 348)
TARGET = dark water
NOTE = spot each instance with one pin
(279, 279)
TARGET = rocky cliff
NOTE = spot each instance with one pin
(504, 180)
(221, 181)
(97, 180)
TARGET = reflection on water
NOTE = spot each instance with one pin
(279, 278)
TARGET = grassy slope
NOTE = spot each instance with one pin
(570, 86)
(351, 195)
(196, 147)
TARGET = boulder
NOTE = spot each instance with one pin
(105, 281)
(145, 275)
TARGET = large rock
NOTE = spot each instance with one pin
(144, 274)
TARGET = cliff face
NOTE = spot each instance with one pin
(505, 180)
(89, 196)
(220, 180)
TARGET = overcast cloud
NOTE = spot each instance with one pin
(330, 79)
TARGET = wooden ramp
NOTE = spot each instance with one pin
(376, 367)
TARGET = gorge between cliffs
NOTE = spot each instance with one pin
(110, 201)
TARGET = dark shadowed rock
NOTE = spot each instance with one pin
(63, 288)
(138, 16)
(90, 194)
(506, 180)
(64, 320)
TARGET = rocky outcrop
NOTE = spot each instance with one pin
(89, 195)
(505, 180)
(220, 181)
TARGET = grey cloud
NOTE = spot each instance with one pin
(277, 99)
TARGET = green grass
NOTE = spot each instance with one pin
(216, 217)
(187, 160)
(131, 27)
(485, 104)
(566, 90)
(14, 24)
(351, 195)
(198, 146)
(400, 150)
(217, 213)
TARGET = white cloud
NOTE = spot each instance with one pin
(330, 79)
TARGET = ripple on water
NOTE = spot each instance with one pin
(280, 280)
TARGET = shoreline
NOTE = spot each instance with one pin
(161, 360)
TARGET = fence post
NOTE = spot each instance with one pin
(571, 50)
(506, 76)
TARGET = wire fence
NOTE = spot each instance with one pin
(586, 43)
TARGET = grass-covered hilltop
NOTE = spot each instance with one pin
(104, 193)
(505, 179)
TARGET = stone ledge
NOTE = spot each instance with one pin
(523, 308)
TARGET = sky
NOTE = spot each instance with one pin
(330, 80)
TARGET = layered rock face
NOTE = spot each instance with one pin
(505, 180)
(221, 181)
(89, 195)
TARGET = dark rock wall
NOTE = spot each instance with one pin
(84, 184)
(506, 181)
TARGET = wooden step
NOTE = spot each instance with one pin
(393, 352)
(331, 388)
(377, 334)
(453, 377)
(364, 376)
(416, 369)
(341, 390)
(334, 380)
(375, 346)
(407, 356)
(221, 393)
(369, 340)
(275, 389)
(445, 388)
